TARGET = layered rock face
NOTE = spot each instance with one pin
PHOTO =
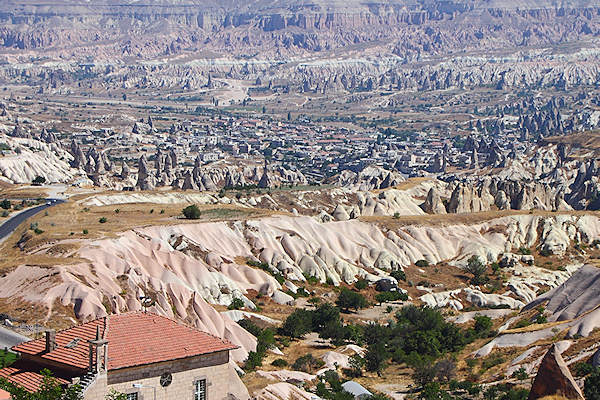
(119, 30)
(320, 25)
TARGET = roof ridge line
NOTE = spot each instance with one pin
(183, 323)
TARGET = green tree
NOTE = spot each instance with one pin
(5, 204)
(191, 212)
(324, 315)
(356, 363)
(591, 386)
(348, 299)
(477, 268)
(375, 358)
(297, 324)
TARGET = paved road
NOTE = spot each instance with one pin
(10, 225)
(9, 338)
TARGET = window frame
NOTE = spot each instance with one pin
(136, 394)
(195, 388)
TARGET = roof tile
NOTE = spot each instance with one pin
(135, 338)
(28, 376)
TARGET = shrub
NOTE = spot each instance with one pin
(433, 391)
(522, 323)
(520, 374)
(399, 275)
(524, 251)
(5, 204)
(545, 253)
(102, 220)
(583, 369)
(384, 297)
(422, 263)
(307, 363)
(236, 304)
(591, 386)
(313, 280)
(265, 339)
(495, 268)
(314, 301)
(85, 231)
(254, 360)
(279, 363)
(491, 362)
(191, 212)
(445, 370)
(348, 299)
(361, 284)
(477, 269)
(483, 325)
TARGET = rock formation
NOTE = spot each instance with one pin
(433, 203)
(124, 171)
(554, 378)
(265, 180)
(144, 179)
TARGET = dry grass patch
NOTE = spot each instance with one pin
(407, 184)
(65, 226)
(22, 192)
(389, 222)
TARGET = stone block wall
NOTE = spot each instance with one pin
(221, 379)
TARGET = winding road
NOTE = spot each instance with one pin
(11, 224)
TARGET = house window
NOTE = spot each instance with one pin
(132, 396)
(200, 389)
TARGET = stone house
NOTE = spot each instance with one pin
(144, 355)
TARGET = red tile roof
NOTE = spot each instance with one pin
(135, 338)
(144, 338)
(75, 356)
(27, 376)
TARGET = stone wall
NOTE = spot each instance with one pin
(221, 379)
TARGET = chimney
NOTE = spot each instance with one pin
(50, 340)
